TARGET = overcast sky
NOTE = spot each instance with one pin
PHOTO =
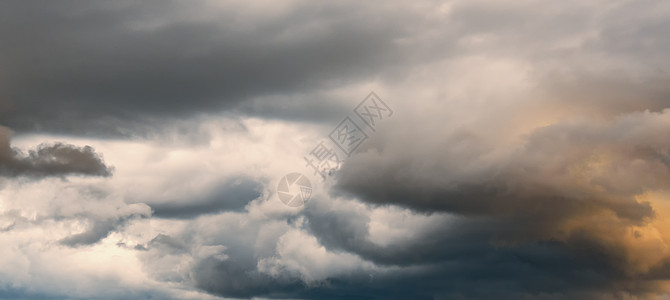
(518, 149)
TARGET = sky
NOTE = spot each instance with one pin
(288, 149)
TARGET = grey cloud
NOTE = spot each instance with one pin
(236, 274)
(95, 67)
(557, 185)
(467, 267)
(469, 258)
(537, 171)
(603, 93)
(98, 230)
(348, 230)
(113, 68)
(168, 244)
(233, 279)
(232, 195)
(49, 160)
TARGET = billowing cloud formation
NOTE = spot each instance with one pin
(527, 156)
(558, 168)
(596, 189)
(128, 63)
(49, 160)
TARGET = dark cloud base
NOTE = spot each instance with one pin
(49, 160)
(97, 71)
(232, 195)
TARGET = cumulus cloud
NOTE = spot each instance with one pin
(49, 160)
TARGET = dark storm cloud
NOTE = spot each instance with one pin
(545, 171)
(347, 230)
(462, 259)
(232, 278)
(444, 261)
(554, 217)
(560, 185)
(458, 265)
(114, 67)
(49, 160)
(93, 67)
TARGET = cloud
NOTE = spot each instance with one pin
(98, 230)
(232, 195)
(49, 160)
(527, 156)
(116, 66)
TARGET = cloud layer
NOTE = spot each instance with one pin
(527, 157)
